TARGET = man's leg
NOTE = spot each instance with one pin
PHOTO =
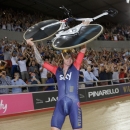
(12, 71)
(58, 116)
(43, 80)
(76, 116)
(26, 75)
(23, 76)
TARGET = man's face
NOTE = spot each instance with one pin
(115, 69)
(14, 54)
(21, 57)
(16, 75)
(33, 63)
(3, 73)
(89, 69)
(102, 68)
(68, 60)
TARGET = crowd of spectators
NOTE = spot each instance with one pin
(20, 21)
(114, 32)
(13, 20)
(18, 66)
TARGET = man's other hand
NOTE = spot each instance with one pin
(83, 49)
(30, 42)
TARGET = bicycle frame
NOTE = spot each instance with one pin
(73, 30)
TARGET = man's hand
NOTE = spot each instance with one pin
(30, 42)
(36, 52)
(83, 50)
(34, 78)
(87, 21)
(16, 78)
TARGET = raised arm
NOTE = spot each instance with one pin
(39, 59)
(79, 58)
(4, 62)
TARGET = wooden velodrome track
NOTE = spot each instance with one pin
(106, 115)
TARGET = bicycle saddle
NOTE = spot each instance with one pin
(111, 12)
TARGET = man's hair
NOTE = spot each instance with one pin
(66, 55)
(17, 73)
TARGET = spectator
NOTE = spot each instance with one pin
(33, 80)
(122, 75)
(23, 47)
(1, 53)
(34, 68)
(17, 81)
(81, 79)
(115, 75)
(30, 61)
(128, 75)
(82, 68)
(50, 80)
(18, 28)
(89, 77)
(81, 76)
(4, 25)
(4, 80)
(43, 73)
(96, 71)
(54, 77)
(2, 45)
(23, 68)
(102, 75)
(7, 57)
(14, 67)
(109, 74)
(9, 26)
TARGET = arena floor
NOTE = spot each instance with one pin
(106, 115)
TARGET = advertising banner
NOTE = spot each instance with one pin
(82, 95)
(48, 99)
(125, 88)
(102, 92)
(15, 103)
(45, 99)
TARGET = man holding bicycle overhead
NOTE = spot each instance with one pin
(67, 79)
